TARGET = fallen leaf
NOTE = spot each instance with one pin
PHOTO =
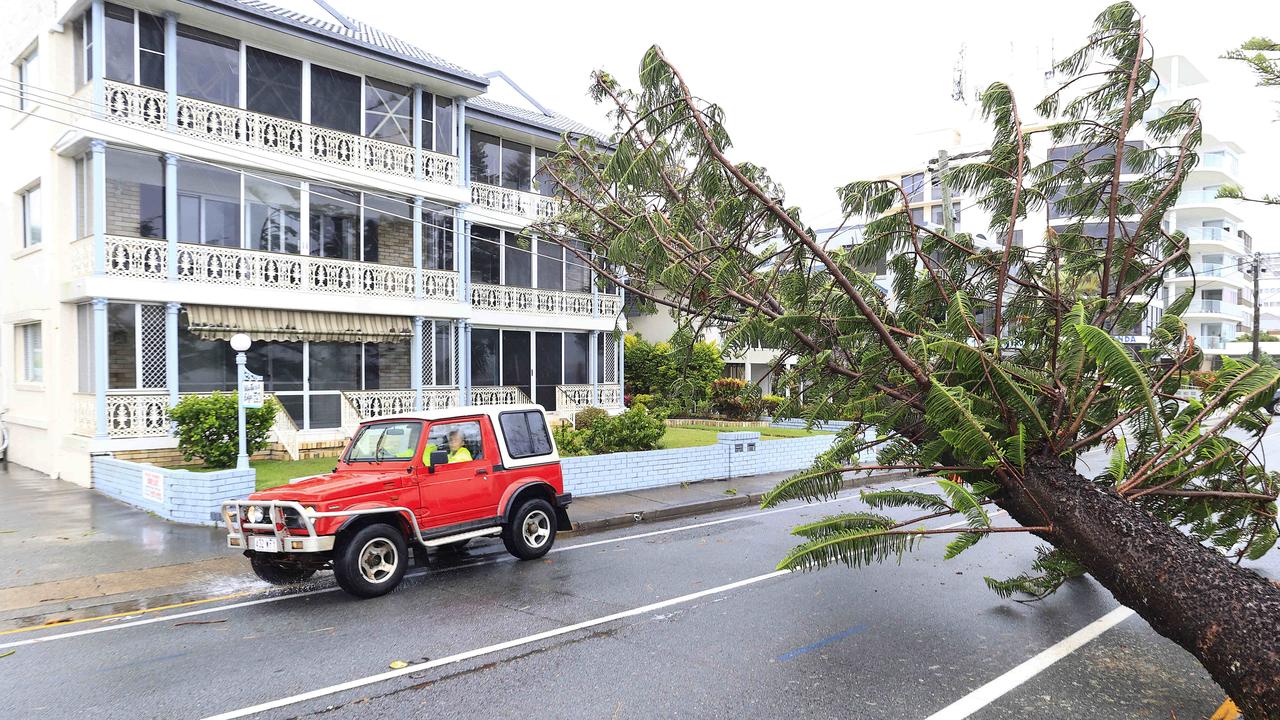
(5, 655)
(199, 622)
(397, 664)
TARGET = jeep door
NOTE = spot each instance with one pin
(459, 490)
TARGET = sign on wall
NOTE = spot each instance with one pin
(253, 390)
(153, 486)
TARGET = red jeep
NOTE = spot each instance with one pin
(433, 479)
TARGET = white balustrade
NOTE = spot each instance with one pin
(611, 396)
(570, 398)
(216, 265)
(286, 432)
(85, 408)
(137, 415)
(497, 395)
(436, 398)
(380, 403)
(136, 105)
(535, 300)
(530, 206)
(610, 305)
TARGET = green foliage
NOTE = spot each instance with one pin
(636, 429)
(588, 416)
(569, 442)
(735, 399)
(209, 429)
(1051, 568)
(674, 369)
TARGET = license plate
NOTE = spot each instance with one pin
(265, 544)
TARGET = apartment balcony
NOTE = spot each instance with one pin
(1240, 313)
(506, 298)
(570, 398)
(1216, 236)
(1194, 198)
(1224, 162)
(214, 265)
(527, 206)
(144, 107)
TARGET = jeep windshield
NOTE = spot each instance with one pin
(388, 441)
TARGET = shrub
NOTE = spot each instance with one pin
(771, 403)
(569, 442)
(674, 366)
(727, 387)
(587, 416)
(635, 429)
(207, 428)
(648, 400)
(735, 399)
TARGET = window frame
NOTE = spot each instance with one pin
(417, 450)
(477, 420)
(26, 65)
(30, 363)
(28, 214)
(506, 444)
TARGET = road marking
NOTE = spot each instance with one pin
(856, 629)
(157, 608)
(990, 692)
(417, 573)
(469, 654)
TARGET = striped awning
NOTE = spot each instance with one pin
(212, 322)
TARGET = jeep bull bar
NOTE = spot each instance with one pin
(273, 533)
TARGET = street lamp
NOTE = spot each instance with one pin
(240, 342)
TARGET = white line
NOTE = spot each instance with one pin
(469, 654)
(277, 598)
(989, 693)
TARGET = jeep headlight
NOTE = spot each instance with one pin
(255, 514)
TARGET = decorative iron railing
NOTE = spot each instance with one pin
(216, 265)
(532, 300)
(527, 205)
(145, 107)
(498, 395)
(570, 398)
(367, 404)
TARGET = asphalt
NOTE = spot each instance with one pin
(889, 641)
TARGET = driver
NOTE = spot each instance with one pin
(457, 451)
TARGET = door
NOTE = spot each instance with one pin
(548, 364)
(459, 490)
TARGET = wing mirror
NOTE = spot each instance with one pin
(438, 457)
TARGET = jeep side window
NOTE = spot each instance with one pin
(385, 441)
(462, 440)
(525, 432)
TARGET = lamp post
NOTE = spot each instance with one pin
(240, 343)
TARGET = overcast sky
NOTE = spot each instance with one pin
(822, 93)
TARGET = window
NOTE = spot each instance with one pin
(486, 159)
(273, 84)
(28, 79)
(208, 205)
(484, 358)
(32, 349)
(379, 442)
(525, 433)
(388, 231)
(335, 100)
(454, 437)
(208, 66)
(31, 218)
(438, 235)
(913, 186)
(443, 348)
(122, 346)
(543, 181)
(518, 255)
(84, 197)
(388, 111)
(577, 358)
(937, 214)
(550, 265)
(517, 165)
(84, 348)
(443, 125)
(517, 360)
(577, 276)
(135, 46)
(150, 51)
(272, 214)
(335, 223)
(548, 369)
(486, 254)
(82, 45)
(135, 194)
(119, 36)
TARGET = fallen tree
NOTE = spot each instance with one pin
(991, 367)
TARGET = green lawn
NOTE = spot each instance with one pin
(694, 435)
(278, 472)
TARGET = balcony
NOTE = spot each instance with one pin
(1217, 236)
(1198, 197)
(1223, 161)
(144, 107)
(570, 398)
(237, 267)
(1218, 307)
(525, 205)
(505, 298)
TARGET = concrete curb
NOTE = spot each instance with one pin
(728, 502)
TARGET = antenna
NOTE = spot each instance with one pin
(957, 77)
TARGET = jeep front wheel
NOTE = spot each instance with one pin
(532, 530)
(279, 573)
(371, 561)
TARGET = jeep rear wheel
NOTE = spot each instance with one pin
(371, 561)
(278, 572)
(532, 530)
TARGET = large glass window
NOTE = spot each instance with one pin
(208, 204)
(335, 223)
(274, 207)
(577, 275)
(135, 194)
(28, 79)
(444, 133)
(122, 346)
(484, 358)
(388, 231)
(208, 66)
(443, 347)
(134, 53)
(486, 159)
(386, 365)
(333, 367)
(486, 254)
(550, 265)
(548, 368)
(31, 219)
(525, 433)
(388, 111)
(438, 235)
(518, 255)
(517, 360)
(543, 181)
(913, 186)
(273, 84)
(150, 51)
(119, 35)
(517, 165)
(577, 358)
(335, 100)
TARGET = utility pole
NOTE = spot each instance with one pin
(948, 220)
(1257, 305)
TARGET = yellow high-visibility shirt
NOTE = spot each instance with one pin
(462, 454)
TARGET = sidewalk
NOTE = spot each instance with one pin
(66, 549)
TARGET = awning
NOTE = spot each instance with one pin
(212, 322)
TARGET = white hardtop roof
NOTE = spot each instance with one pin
(459, 411)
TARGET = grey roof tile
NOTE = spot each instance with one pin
(555, 121)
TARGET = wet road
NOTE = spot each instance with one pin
(682, 619)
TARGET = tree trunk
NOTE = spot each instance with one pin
(1225, 615)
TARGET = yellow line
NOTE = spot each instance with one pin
(189, 603)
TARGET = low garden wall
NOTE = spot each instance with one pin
(735, 454)
(799, 424)
(180, 495)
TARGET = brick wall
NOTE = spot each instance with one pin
(735, 454)
(393, 366)
(179, 495)
(395, 244)
(799, 424)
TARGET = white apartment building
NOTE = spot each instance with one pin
(183, 170)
